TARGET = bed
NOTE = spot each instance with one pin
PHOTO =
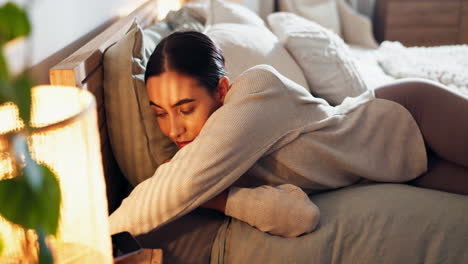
(364, 223)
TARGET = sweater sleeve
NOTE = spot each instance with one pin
(284, 210)
(257, 113)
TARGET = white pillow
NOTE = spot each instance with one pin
(198, 8)
(323, 56)
(228, 12)
(245, 46)
(323, 12)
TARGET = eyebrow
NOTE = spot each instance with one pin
(180, 102)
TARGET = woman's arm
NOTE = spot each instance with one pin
(231, 141)
(218, 203)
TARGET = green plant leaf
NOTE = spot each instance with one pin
(4, 73)
(45, 256)
(18, 92)
(14, 22)
(6, 92)
(17, 202)
(49, 200)
(22, 99)
(20, 204)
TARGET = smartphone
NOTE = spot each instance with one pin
(124, 245)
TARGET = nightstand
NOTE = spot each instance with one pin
(422, 22)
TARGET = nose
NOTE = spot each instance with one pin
(177, 128)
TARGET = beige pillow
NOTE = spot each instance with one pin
(323, 12)
(228, 12)
(137, 142)
(323, 56)
(245, 46)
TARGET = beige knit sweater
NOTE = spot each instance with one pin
(273, 131)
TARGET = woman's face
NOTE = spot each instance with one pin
(182, 104)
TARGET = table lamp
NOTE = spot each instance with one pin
(65, 137)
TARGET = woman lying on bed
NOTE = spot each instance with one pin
(265, 130)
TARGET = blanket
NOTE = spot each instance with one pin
(445, 64)
(362, 223)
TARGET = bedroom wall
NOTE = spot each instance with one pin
(59, 26)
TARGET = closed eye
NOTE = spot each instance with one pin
(161, 115)
(187, 112)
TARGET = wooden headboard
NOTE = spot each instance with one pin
(84, 69)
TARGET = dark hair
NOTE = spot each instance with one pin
(191, 53)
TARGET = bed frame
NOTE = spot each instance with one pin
(84, 69)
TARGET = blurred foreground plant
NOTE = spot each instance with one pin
(30, 197)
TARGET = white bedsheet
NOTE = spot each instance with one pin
(445, 64)
(367, 64)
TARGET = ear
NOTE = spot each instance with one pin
(223, 87)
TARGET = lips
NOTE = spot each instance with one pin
(182, 143)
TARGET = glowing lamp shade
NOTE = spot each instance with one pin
(67, 139)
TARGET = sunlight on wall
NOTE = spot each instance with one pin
(164, 6)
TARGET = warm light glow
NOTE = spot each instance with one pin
(9, 116)
(72, 151)
(6, 166)
(164, 6)
(52, 104)
(10, 122)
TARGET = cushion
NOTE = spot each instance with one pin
(366, 223)
(245, 46)
(323, 56)
(323, 12)
(229, 12)
(137, 142)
